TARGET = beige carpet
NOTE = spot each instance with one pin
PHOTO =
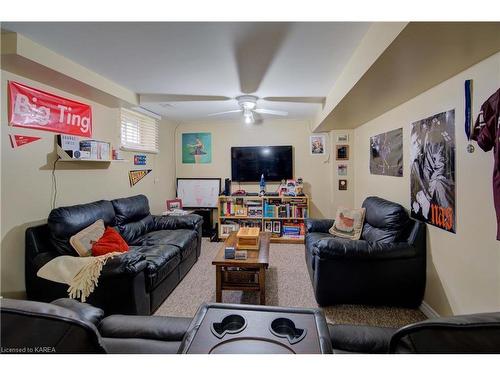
(287, 284)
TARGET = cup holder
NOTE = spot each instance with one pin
(285, 328)
(230, 324)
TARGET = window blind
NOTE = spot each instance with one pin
(138, 132)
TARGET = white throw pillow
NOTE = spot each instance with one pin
(82, 241)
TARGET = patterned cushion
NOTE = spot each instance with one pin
(348, 223)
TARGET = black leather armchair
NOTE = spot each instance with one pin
(476, 333)
(386, 266)
(68, 326)
(161, 252)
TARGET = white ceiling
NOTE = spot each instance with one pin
(264, 59)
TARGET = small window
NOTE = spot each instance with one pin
(138, 132)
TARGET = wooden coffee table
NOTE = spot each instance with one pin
(246, 274)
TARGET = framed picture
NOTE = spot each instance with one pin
(226, 229)
(268, 226)
(317, 144)
(343, 138)
(174, 204)
(342, 152)
(386, 153)
(342, 184)
(277, 227)
(342, 170)
(196, 148)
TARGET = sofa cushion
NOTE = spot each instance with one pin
(385, 221)
(65, 222)
(132, 231)
(130, 209)
(360, 339)
(381, 213)
(161, 261)
(184, 239)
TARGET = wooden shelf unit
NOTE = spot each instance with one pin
(64, 157)
(260, 203)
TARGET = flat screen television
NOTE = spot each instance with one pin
(249, 163)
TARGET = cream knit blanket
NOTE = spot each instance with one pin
(80, 273)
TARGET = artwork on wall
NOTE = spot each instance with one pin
(196, 148)
(342, 152)
(342, 138)
(317, 144)
(21, 140)
(386, 153)
(136, 175)
(342, 184)
(342, 170)
(432, 170)
(140, 159)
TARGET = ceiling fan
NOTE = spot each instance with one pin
(248, 104)
(254, 52)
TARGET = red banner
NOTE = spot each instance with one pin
(21, 140)
(32, 108)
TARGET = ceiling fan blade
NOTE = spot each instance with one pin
(255, 51)
(297, 99)
(163, 98)
(225, 112)
(271, 112)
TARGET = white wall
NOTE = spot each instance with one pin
(315, 170)
(463, 273)
(26, 181)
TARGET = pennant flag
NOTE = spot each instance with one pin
(136, 175)
(21, 140)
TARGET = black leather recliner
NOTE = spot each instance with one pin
(475, 333)
(387, 266)
(162, 250)
(68, 326)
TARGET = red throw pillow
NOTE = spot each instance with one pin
(109, 242)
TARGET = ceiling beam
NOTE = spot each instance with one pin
(423, 55)
(22, 56)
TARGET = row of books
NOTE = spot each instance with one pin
(285, 210)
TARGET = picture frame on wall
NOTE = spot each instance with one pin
(174, 204)
(317, 144)
(342, 184)
(342, 152)
(343, 138)
(342, 170)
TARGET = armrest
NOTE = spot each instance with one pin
(85, 311)
(360, 339)
(129, 263)
(341, 248)
(144, 327)
(319, 225)
(191, 221)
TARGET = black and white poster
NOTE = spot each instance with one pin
(386, 153)
(432, 170)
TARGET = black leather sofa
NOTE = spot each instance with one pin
(68, 326)
(387, 266)
(475, 333)
(162, 250)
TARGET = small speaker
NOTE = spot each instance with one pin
(227, 187)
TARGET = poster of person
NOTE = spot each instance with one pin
(317, 144)
(196, 148)
(386, 153)
(432, 170)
